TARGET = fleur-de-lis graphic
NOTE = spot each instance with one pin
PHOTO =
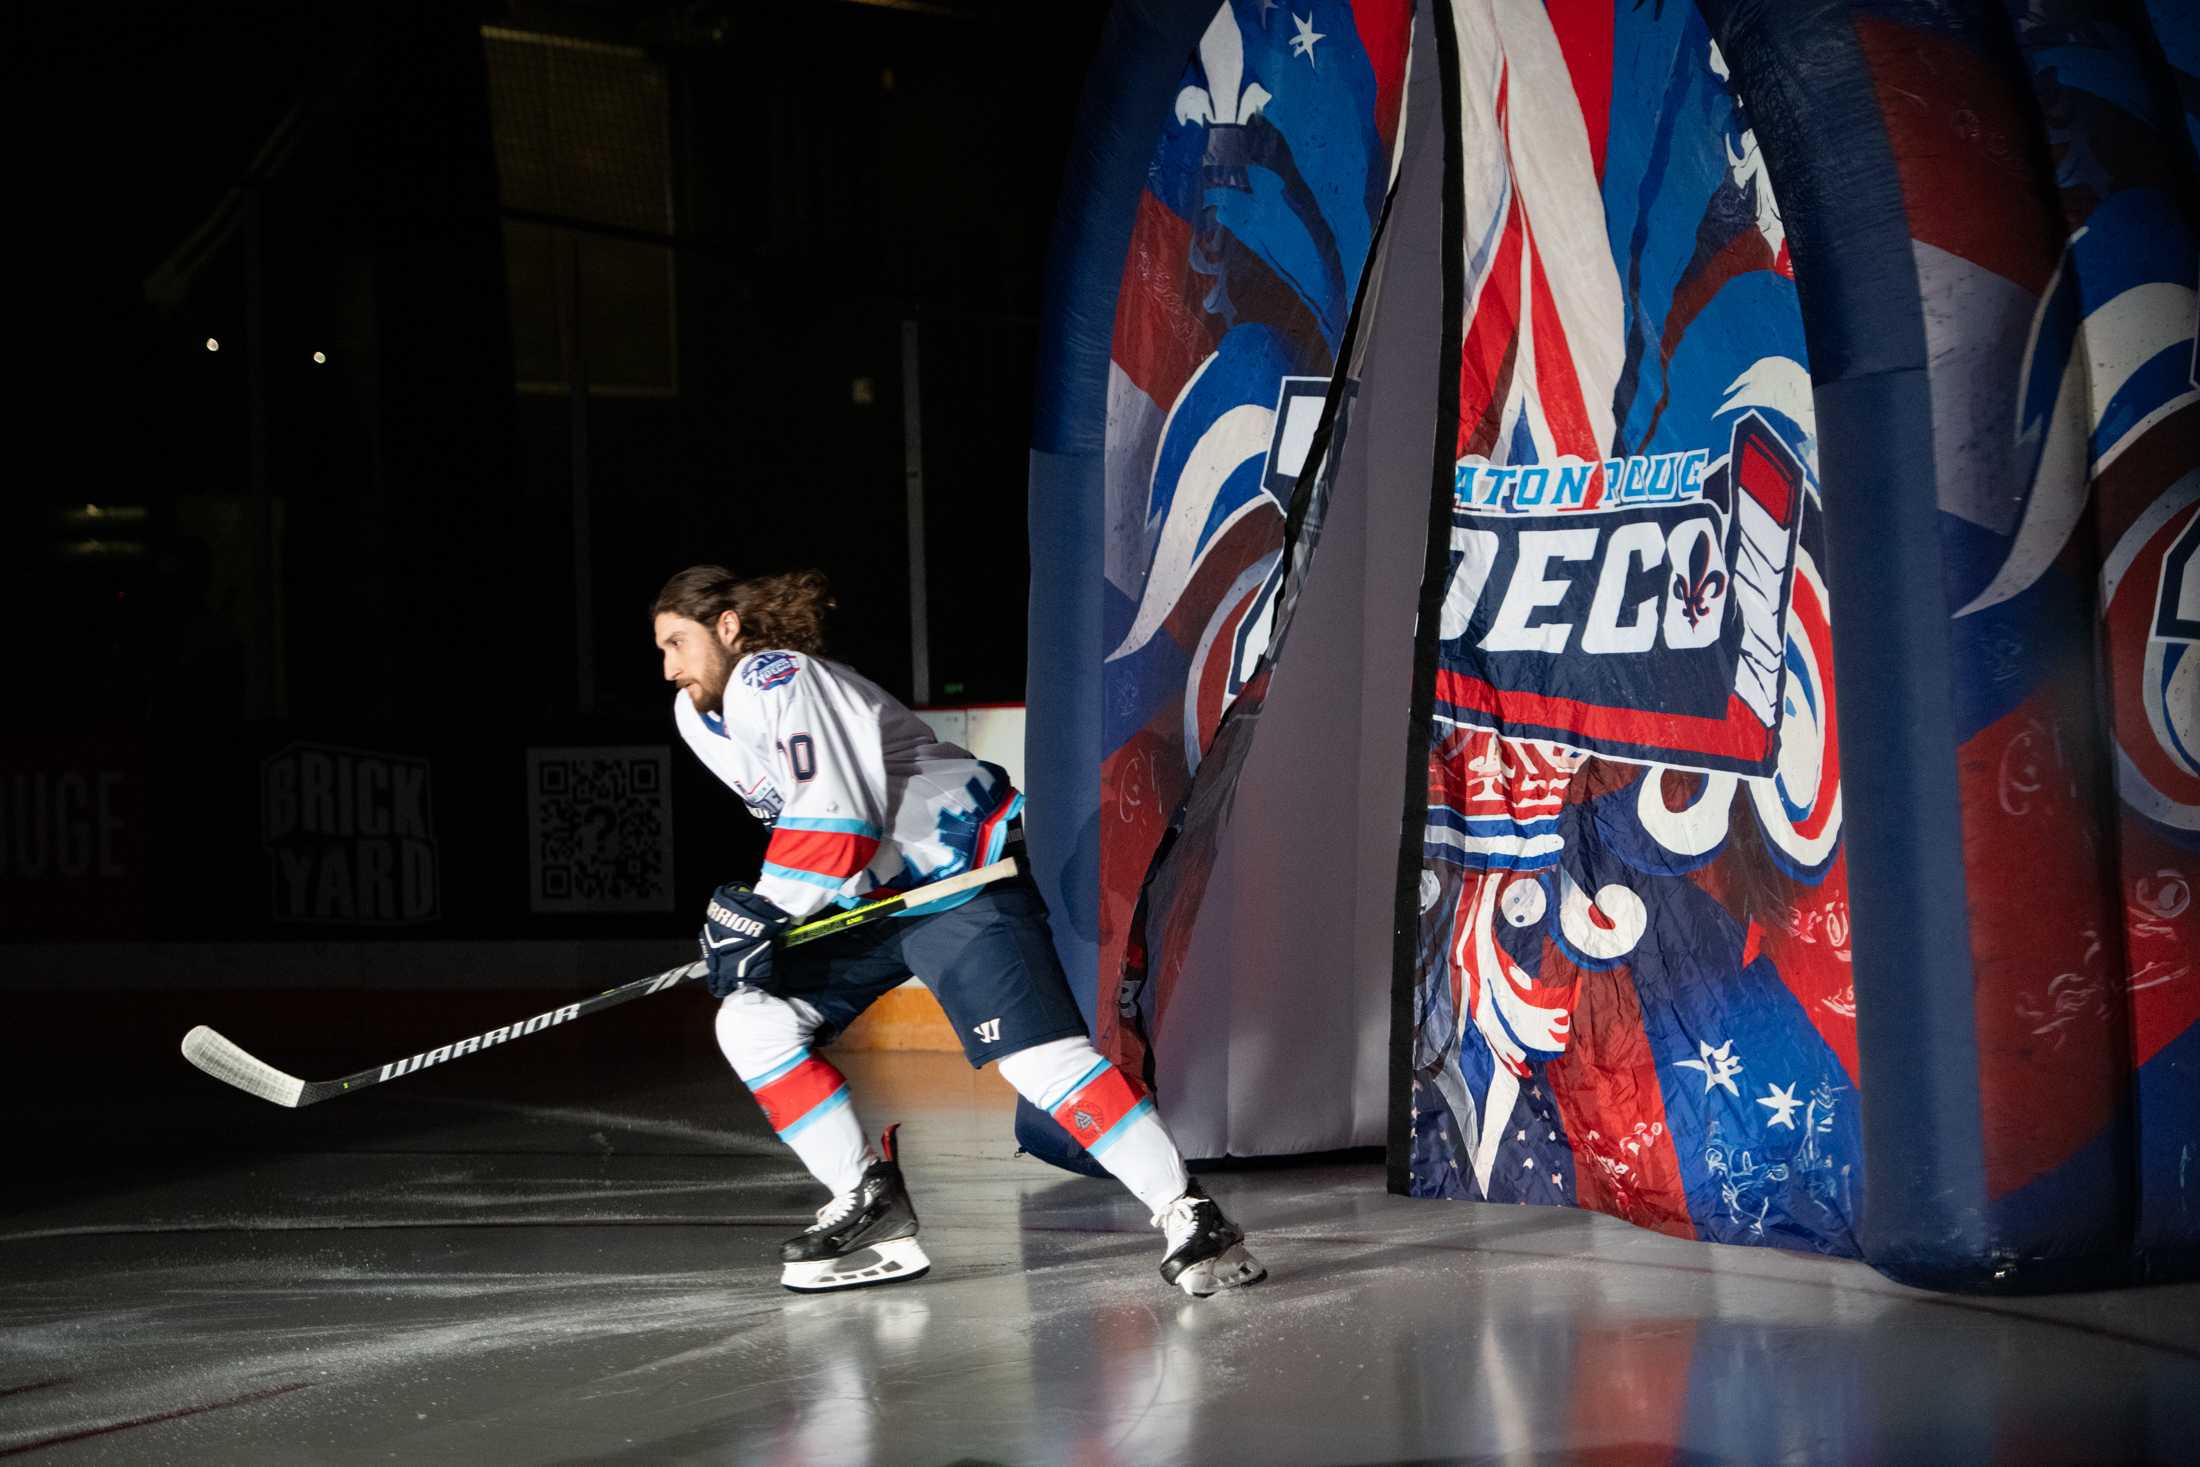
(1702, 585)
(1228, 108)
(1228, 98)
(1084, 1120)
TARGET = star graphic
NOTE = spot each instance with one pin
(1265, 7)
(1781, 1101)
(1719, 1067)
(1302, 44)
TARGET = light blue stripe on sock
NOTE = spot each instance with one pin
(1076, 1085)
(1144, 1107)
(771, 1075)
(826, 1107)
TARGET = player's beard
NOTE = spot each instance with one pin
(708, 689)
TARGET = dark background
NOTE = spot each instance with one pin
(598, 290)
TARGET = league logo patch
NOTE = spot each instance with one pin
(770, 670)
(1644, 618)
(764, 801)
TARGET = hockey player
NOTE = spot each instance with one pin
(862, 800)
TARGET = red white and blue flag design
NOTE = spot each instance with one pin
(1632, 991)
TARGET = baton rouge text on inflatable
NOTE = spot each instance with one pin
(1546, 488)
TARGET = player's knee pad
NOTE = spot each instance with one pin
(1093, 1100)
(758, 1031)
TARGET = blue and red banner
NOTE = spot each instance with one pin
(1252, 236)
(2113, 346)
(1633, 987)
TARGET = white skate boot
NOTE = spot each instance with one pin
(1206, 1250)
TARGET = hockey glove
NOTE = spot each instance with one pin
(738, 930)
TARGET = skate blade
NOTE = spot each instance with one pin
(884, 1263)
(1232, 1268)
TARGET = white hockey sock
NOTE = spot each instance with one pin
(1106, 1111)
(767, 1041)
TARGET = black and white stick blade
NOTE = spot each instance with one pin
(231, 1065)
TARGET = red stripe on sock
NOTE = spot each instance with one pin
(1092, 1112)
(798, 1092)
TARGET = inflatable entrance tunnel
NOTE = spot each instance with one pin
(1617, 608)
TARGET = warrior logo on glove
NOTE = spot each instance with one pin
(746, 926)
(739, 928)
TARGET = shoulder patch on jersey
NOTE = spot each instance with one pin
(768, 670)
(763, 800)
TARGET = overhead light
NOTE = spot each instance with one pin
(212, 344)
(320, 357)
(104, 514)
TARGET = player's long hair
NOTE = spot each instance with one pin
(783, 611)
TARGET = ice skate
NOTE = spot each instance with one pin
(1206, 1250)
(862, 1237)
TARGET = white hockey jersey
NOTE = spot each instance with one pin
(860, 797)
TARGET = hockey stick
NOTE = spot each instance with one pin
(230, 1064)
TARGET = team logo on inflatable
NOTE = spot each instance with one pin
(1636, 608)
(2150, 597)
(2177, 603)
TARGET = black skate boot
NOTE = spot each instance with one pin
(867, 1236)
(1206, 1250)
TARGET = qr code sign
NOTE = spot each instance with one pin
(599, 825)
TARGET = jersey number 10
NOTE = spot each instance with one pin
(801, 757)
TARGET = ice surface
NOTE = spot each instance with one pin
(488, 1283)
